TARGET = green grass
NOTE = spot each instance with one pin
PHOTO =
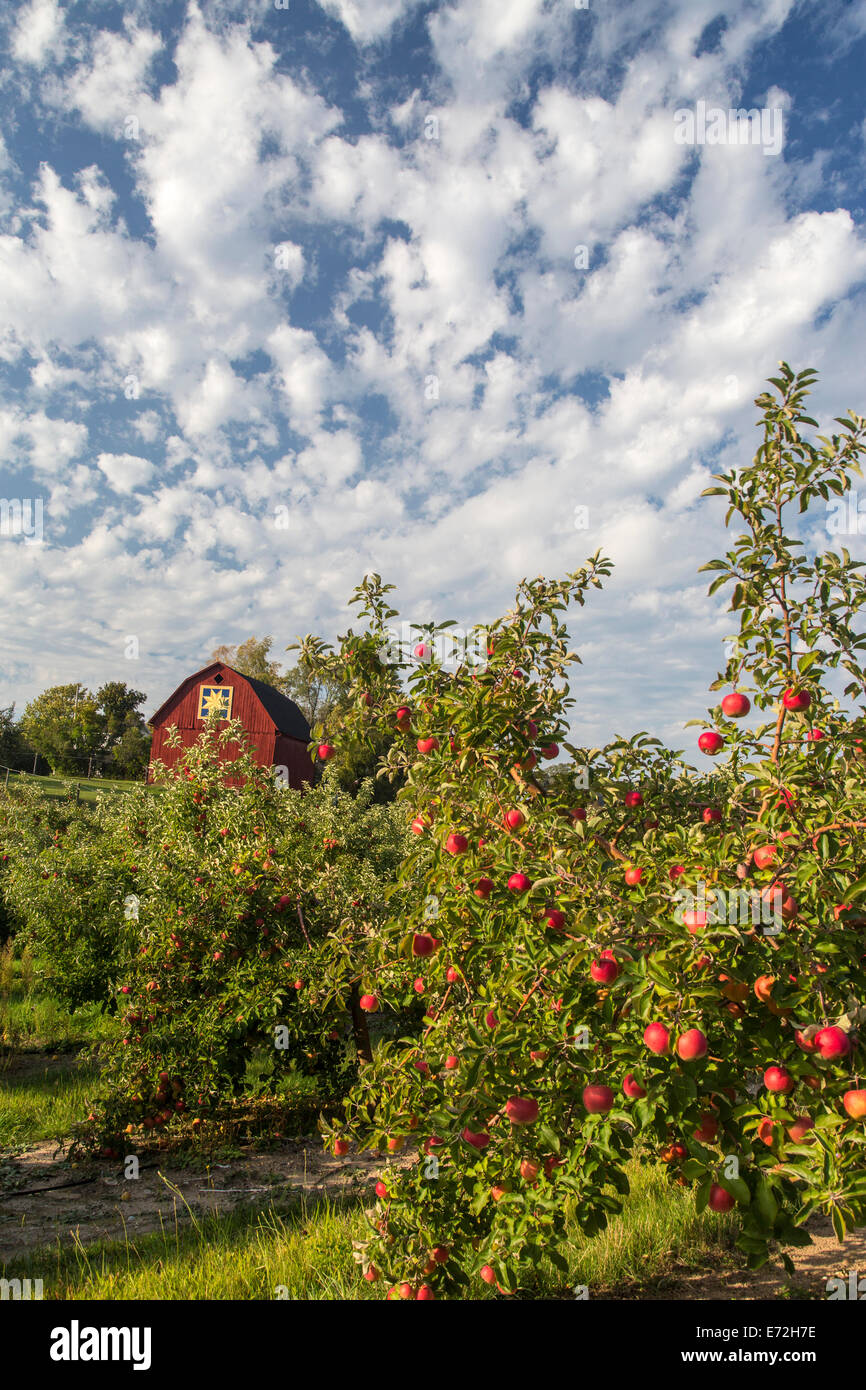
(30, 1019)
(307, 1251)
(88, 788)
(44, 1104)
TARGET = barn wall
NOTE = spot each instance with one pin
(291, 753)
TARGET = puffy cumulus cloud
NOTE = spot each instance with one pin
(126, 473)
(461, 404)
(39, 35)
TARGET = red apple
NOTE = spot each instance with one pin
(764, 856)
(456, 843)
(632, 1088)
(735, 705)
(711, 742)
(691, 1044)
(425, 1293)
(341, 1146)
(519, 883)
(369, 1003)
(556, 919)
(598, 1099)
(423, 944)
(522, 1110)
(778, 1079)
(633, 876)
(800, 1127)
(710, 816)
(551, 751)
(477, 1141)
(427, 745)
(483, 888)
(578, 813)
(796, 699)
(855, 1104)
(604, 970)
(708, 1128)
(326, 751)
(657, 1038)
(514, 818)
(633, 799)
(720, 1199)
(833, 1042)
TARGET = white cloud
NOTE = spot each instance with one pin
(125, 472)
(39, 34)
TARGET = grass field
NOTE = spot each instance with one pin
(88, 788)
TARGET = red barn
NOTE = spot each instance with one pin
(278, 730)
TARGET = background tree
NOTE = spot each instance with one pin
(251, 658)
(13, 749)
(64, 725)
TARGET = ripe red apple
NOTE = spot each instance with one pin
(604, 970)
(451, 1062)
(456, 843)
(341, 1146)
(419, 825)
(418, 986)
(369, 1003)
(522, 1110)
(764, 856)
(694, 920)
(691, 1044)
(326, 751)
(477, 1140)
(371, 1274)
(800, 1127)
(710, 816)
(720, 1199)
(735, 705)
(633, 799)
(657, 1038)
(711, 742)
(796, 699)
(452, 974)
(806, 1044)
(578, 813)
(404, 716)
(855, 1104)
(519, 883)
(425, 1293)
(778, 1079)
(483, 888)
(490, 1019)
(633, 876)
(551, 751)
(423, 944)
(676, 872)
(598, 1099)
(833, 1042)
(487, 1274)
(514, 818)
(427, 745)
(381, 1191)
(632, 1088)
(815, 736)
(708, 1128)
(556, 919)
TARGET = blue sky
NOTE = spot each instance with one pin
(322, 263)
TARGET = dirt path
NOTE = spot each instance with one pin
(90, 1202)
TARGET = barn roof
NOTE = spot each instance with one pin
(284, 712)
(286, 715)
